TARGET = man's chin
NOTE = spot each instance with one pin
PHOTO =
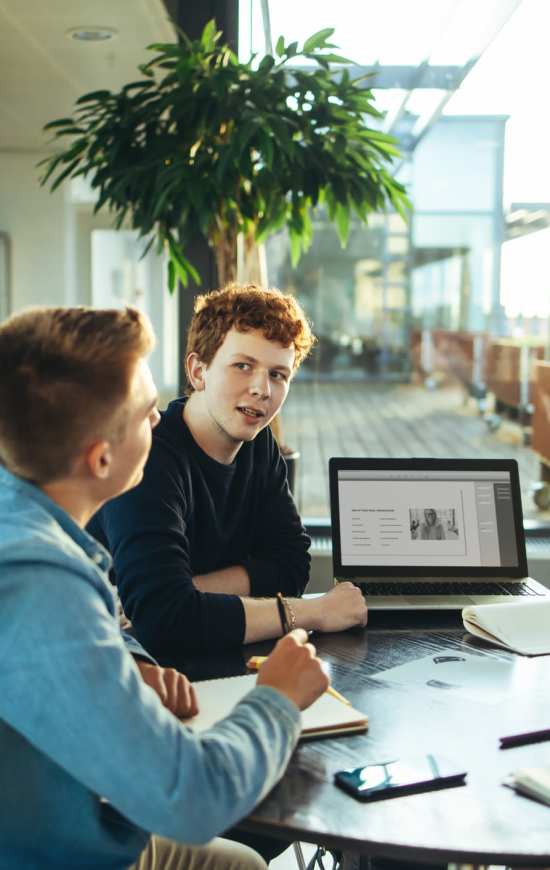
(250, 433)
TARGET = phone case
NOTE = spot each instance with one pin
(450, 778)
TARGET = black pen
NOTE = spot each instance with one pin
(523, 739)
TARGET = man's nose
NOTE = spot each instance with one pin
(260, 385)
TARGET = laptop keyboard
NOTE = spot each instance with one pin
(445, 587)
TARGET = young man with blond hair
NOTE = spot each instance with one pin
(93, 759)
(202, 547)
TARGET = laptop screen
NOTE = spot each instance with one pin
(428, 515)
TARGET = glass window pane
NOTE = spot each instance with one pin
(418, 320)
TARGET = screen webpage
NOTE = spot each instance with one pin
(431, 518)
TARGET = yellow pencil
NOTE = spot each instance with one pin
(255, 661)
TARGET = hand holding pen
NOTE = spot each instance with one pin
(255, 662)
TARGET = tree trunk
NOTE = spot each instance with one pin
(251, 261)
(224, 243)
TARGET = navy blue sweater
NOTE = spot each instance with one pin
(192, 515)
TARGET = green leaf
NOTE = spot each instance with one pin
(93, 95)
(147, 248)
(295, 248)
(52, 164)
(162, 199)
(401, 204)
(171, 276)
(363, 77)
(267, 150)
(191, 270)
(69, 131)
(280, 46)
(336, 58)
(183, 268)
(208, 35)
(342, 219)
(66, 172)
(120, 217)
(267, 64)
(318, 39)
(62, 122)
(143, 83)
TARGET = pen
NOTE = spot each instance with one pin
(525, 738)
(255, 661)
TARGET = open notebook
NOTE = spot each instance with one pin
(327, 716)
(522, 626)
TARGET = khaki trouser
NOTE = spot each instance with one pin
(219, 854)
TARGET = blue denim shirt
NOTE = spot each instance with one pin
(90, 760)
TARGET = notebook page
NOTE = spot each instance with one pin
(522, 626)
(218, 697)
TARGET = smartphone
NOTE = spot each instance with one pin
(400, 776)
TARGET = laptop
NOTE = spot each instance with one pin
(425, 534)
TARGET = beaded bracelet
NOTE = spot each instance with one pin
(291, 616)
(286, 613)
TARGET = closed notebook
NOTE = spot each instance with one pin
(521, 626)
(531, 781)
(326, 716)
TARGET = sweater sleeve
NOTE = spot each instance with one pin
(72, 690)
(279, 558)
(146, 532)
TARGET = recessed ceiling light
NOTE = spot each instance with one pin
(92, 34)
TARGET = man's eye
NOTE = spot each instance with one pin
(278, 376)
(242, 366)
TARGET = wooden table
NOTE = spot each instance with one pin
(481, 823)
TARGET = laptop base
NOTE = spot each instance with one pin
(527, 588)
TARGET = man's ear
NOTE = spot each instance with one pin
(99, 459)
(196, 370)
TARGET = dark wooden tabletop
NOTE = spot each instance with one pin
(482, 822)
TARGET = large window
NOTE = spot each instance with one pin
(428, 332)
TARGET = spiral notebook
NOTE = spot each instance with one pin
(326, 717)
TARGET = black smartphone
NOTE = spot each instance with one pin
(400, 776)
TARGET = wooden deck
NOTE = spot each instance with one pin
(391, 420)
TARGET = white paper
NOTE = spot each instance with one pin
(480, 678)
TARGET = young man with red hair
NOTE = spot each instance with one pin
(202, 547)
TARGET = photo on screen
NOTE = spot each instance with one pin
(433, 524)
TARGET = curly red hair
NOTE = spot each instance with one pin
(246, 307)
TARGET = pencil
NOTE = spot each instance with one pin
(255, 661)
(524, 739)
(338, 696)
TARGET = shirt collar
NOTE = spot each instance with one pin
(93, 549)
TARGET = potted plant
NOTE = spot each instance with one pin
(205, 144)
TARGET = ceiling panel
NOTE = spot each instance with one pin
(43, 71)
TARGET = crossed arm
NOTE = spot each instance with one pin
(339, 609)
(168, 537)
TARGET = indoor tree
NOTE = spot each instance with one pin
(204, 144)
